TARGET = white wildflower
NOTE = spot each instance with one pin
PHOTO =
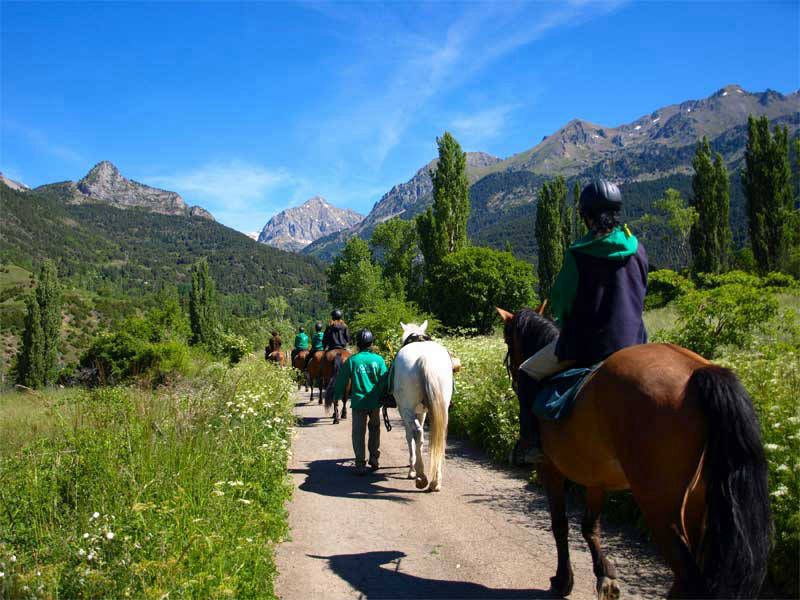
(245, 501)
(13, 558)
(81, 552)
(771, 447)
(218, 493)
(110, 535)
(95, 515)
(91, 556)
(782, 468)
(781, 490)
(86, 536)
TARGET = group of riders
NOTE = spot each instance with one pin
(597, 301)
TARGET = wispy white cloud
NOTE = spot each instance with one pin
(483, 124)
(42, 142)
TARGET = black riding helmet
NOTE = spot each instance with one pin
(336, 315)
(302, 330)
(599, 197)
(318, 326)
(364, 339)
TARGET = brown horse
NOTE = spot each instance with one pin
(278, 357)
(315, 373)
(682, 435)
(331, 364)
(299, 364)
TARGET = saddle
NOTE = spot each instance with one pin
(557, 394)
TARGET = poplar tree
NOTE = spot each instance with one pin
(37, 360)
(710, 237)
(578, 227)
(768, 192)
(202, 304)
(442, 229)
(549, 237)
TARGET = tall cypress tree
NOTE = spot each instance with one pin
(30, 358)
(710, 237)
(549, 238)
(768, 191)
(578, 227)
(442, 229)
(202, 304)
(48, 296)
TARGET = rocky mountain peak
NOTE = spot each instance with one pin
(295, 228)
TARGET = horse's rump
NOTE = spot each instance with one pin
(329, 359)
(300, 359)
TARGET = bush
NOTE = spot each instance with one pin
(713, 280)
(233, 347)
(664, 286)
(470, 283)
(383, 318)
(727, 315)
(779, 280)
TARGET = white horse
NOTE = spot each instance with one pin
(423, 383)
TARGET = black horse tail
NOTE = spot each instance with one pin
(738, 533)
(337, 364)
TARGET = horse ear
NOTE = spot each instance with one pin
(424, 326)
(504, 314)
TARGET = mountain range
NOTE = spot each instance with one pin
(645, 157)
(295, 228)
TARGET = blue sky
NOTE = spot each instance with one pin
(248, 108)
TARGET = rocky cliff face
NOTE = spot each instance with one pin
(105, 184)
(14, 185)
(295, 228)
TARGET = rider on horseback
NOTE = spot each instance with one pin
(274, 345)
(300, 342)
(316, 343)
(336, 334)
(597, 300)
(363, 369)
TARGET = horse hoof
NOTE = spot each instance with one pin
(607, 589)
(335, 421)
(412, 475)
(344, 415)
(422, 482)
(561, 587)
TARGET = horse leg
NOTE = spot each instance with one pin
(421, 481)
(561, 584)
(412, 472)
(344, 407)
(607, 587)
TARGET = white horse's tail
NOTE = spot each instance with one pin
(435, 400)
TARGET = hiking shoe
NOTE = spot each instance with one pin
(361, 470)
(374, 466)
(524, 453)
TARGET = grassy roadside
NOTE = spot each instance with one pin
(122, 492)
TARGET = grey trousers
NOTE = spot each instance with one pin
(545, 363)
(360, 418)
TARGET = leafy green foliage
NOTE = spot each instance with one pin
(30, 369)
(354, 281)
(549, 234)
(394, 247)
(671, 224)
(767, 181)
(120, 492)
(664, 286)
(383, 318)
(726, 315)
(711, 231)
(474, 281)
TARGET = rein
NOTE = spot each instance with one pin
(416, 337)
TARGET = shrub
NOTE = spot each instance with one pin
(779, 280)
(383, 318)
(233, 347)
(726, 315)
(713, 280)
(664, 286)
(470, 283)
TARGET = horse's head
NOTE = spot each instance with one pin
(413, 329)
(525, 332)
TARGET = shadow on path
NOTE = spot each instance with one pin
(331, 477)
(365, 573)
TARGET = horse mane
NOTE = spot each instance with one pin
(533, 330)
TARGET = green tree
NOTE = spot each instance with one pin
(478, 280)
(37, 360)
(30, 358)
(442, 229)
(549, 238)
(353, 279)
(577, 228)
(674, 221)
(202, 304)
(394, 247)
(767, 184)
(710, 237)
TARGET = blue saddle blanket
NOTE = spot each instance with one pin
(556, 398)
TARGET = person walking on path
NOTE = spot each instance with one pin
(300, 342)
(363, 370)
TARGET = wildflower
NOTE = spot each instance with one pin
(782, 468)
(109, 535)
(2, 574)
(95, 515)
(91, 556)
(782, 490)
(771, 447)
(81, 552)
(86, 536)
(245, 501)
(218, 493)
(13, 558)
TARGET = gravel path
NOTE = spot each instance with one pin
(485, 535)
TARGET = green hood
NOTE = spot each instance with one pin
(618, 244)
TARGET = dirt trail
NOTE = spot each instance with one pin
(485, 535)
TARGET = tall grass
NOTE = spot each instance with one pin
(136, 493)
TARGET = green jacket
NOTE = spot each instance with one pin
(301, 341)
(364, 370)
(316, 342)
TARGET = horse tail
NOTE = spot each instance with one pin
(337, 364)
(737, 536)
(437, 407)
